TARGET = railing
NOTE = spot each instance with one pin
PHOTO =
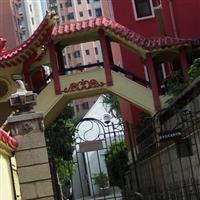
(115, 68)
(169, 168)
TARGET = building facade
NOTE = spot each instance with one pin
(155, 18)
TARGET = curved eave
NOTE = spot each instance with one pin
(87, 30)
(37, 43)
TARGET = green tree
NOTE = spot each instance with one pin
(176, 84)
(116, 160)
(194, 70)
(111, 103)
(60, 142)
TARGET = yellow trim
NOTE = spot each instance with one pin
(123, 87)
(5, 149)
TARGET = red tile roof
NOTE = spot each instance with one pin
(114, 30)
(39, 38)
(7, 139)
(118, 30)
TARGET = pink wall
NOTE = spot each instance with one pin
(123, 12)
(186, 13)
(187, 23)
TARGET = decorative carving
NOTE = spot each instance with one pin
(3, 88)
(27, 127)
(83, 85)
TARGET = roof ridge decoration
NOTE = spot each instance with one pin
(114, 30)
(8, 140)
(2, 44)
(46, 25)
(148, 44)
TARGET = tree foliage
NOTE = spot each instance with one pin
(60, 142)
(117, 162)
(65, 169)
(111, 103)
(194, 70)
(175, 84)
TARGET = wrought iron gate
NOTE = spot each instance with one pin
(101, 159)
(164, 158)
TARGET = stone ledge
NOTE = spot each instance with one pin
(25, 117)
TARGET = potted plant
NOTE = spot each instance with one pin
(101, 179)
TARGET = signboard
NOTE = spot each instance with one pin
(170, 134)
(87, 146)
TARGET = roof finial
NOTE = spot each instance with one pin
(2, 44)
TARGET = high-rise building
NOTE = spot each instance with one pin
(19, 19)
(7, 26)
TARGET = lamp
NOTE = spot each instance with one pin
(106, 118)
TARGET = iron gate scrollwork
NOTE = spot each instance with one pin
(98, 145)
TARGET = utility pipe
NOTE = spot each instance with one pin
(171, 10)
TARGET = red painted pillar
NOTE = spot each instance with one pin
(183, 62)
(55, 67)
(26, 67)
(60, 60)
(107, 56)
(154, 82)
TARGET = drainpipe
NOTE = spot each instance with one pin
(171, 10)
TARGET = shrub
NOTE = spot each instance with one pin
(101, 179)
(194, 70)
(117, 162)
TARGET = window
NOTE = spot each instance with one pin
(68, 3)
(64, 60)
(81, 14)
(61, 6)
(69, 56)
(63, 18)
(90, 12)
(87, 51)
(96, 50)
(146, 73)
(70, 16)
(143, 9)
(85, 106)
(77, 108)
(77, 54)
(30, 7)
(98, 12)
(32, 21)
(79, 1)
(88, 1)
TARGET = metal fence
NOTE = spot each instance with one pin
(167, 158)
